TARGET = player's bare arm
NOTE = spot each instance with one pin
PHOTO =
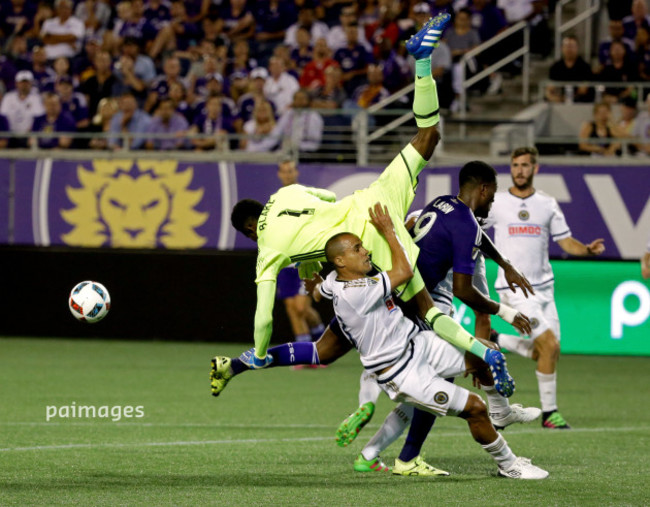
(401, 270)
(465, 291)
(574, 247)
(312, 285)
(514, 277)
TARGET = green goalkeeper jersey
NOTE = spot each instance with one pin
(294, 226)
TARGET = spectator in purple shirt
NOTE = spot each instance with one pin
(307, 19)
(138, 26)
(273, 17)
(54, 120)
(638, 18)
(230, 119)
(211, 121)
(17, 17)
(157, 13)
(616, 33)
(353, 59)
(73, 103)
(372, 92)
(43, 73)
(246, 102)
(179, 34)
(179, 96)
(302, 54)
(238, 20)
(169, 122)
(241, 60)
(160, 87)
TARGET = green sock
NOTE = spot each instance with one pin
(425, 101)
(423, 67)
(453, 332)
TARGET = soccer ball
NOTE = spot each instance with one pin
(89, 301)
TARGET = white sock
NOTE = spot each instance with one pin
(501, 452)
(547, 383)
(517, 344)
(497, 404)
(369, 389)
(393, 426)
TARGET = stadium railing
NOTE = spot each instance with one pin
(599, 88)
(361, 137)
(522, 52)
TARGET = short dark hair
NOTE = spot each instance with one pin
(333, 246)
(526, 150)
(476, 173)
(243, 210)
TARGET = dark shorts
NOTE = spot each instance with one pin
(288, 284)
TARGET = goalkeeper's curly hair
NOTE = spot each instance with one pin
(243, 210)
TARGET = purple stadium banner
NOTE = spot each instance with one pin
(140, 203)
(4, 202)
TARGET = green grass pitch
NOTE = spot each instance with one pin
(268, 439)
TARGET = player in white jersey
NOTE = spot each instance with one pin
(411, 365)
(523, 220)
(446, 232)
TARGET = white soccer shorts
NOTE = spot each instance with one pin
(421, 382)
(539, 308)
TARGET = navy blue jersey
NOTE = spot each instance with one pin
(448, 236)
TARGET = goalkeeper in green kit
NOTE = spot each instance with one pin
(296, 222)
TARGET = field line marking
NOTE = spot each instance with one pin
(164, 444)
(130, 424)
(299, 439)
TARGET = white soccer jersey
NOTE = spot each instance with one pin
(370, 319)
(521, 231)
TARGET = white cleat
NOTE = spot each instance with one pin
(522, 468)
(518, 414)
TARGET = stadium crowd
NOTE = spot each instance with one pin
(131, 68)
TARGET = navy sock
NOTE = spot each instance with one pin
(286, 354)
(421, 424)
(289, 354)
(237, 366)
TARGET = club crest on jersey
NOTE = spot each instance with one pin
(534, 323)
(441, 397)
(524, 215)
(390, 304)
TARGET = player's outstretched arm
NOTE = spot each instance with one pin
(465, 291)
(574, 247)
(264, 321)
(312, 286)
(513, 277)
(401, 270)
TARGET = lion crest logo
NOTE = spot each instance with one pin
(134, 204)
